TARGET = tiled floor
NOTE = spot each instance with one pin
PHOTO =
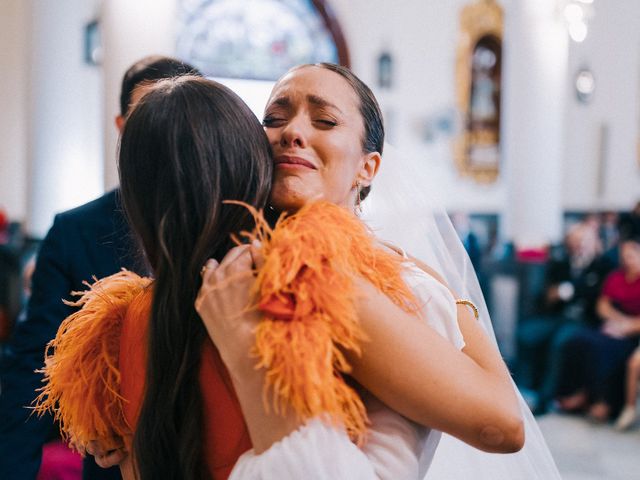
(585, 451)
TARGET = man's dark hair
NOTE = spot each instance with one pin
(151, 69)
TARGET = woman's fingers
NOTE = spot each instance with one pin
(256, 254)
(111, 458)
(233, 254)
(242, 264)
(95, 448)
(222, 303)
(238, 259)
(236, 267)
(209, 269)
(106, 458)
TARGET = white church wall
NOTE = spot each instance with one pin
(64, 135)
(131, 30)
(66, 102)
(612, 52)
(14, 50)
(422, 39)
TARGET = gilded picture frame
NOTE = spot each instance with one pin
(476, 147)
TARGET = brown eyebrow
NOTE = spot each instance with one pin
(321, 102)
(281, 102)
(312, 99)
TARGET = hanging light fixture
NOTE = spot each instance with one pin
(577, 14)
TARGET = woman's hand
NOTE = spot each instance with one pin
(106, 458)
(621, 327)
(226, 308)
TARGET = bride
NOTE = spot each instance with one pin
(314, 120)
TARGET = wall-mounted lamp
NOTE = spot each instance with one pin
(577, 14)
(585, 85)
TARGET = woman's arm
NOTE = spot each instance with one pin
(617, 323)
(406, 364)
(420, 374)
(607, 311)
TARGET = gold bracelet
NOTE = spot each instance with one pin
(469, 303)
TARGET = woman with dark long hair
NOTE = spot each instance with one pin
(135, 362)
(188, 146)
(191, 144)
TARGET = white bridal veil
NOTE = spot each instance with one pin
(401, 211)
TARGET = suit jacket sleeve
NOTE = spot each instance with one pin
(22, 434)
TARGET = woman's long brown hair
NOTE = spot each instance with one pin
(187, 146)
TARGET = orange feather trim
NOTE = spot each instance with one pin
(306, 291)
(82, 379)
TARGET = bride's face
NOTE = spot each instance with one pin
(315, 128)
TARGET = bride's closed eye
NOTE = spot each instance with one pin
(326, 123)
(272, 121)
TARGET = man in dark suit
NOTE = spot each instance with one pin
(90, 240)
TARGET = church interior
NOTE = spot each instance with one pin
(520, 118)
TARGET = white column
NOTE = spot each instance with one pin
(535, 86)
(130, 31)
(64, 144)
(14, 25)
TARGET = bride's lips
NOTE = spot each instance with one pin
(290, 161)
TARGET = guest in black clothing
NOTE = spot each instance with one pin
(567, 304)
(91, 240)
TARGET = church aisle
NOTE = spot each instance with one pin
(587, 451)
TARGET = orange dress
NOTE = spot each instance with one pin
(225, 433)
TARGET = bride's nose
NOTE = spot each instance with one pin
(293, 134)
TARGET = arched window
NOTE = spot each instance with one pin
(257, 39)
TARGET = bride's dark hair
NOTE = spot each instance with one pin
(187, 146)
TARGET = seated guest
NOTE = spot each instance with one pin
(595, 359)
(567, 304)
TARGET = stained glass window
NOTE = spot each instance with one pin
(257, 39)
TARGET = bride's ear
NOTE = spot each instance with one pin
(369, 168)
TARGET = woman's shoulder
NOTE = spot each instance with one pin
(82, 378)
(437, 300)
(395, 249)
(416, 265)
